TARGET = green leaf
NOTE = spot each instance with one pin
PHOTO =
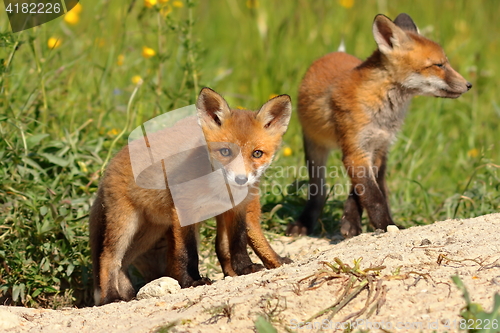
(35, 139)
(55, 159)
(263, 326)
(63, 211)
(22, 287)
(36, 292)
(486, 322)
(460, 285)
(15, 292)
(492, 317)
(49, 290)
(33, 164)
(46, 226)
(45, 265)
(70, 269)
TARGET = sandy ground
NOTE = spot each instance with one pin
(413, 292)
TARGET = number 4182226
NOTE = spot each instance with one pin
(33, 8)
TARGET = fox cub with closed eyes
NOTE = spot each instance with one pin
(359, 107)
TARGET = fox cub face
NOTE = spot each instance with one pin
(419, 63)
(254, 135)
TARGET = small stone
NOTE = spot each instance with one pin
(180, 305)
(392, 228)
(396, 256)
(425, 242)
(158, 288)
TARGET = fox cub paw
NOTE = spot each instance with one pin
(285, 260)
(349, 229)
(250, 269)
(296, 229)
(203, 281)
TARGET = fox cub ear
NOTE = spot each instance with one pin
(388, 35)
(275, 114)
(405, 22)
(212, 108)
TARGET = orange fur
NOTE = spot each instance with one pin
(359, 107)
(131, 225)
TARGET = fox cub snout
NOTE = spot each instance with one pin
(359, 107)
(133, 225)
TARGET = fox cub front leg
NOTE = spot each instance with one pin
(231, 245)
(236, 229)
(256, 238)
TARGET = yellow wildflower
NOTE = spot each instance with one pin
(287, 151)
(71, 17)
(272, 96)
(113, 132)
(120, 60)
(163, 1)
(148, 52)
(54, 43)
(177, 4)
(77, 9)
(252, 4)
(239, 107)
(461, 26)
(83, 167)
(474, 152)
(100, 42)
(165, 10)
(149, 3)
(136, 79)
(346, 3)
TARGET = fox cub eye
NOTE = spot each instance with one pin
(439, 65)
(225, 152)
(257, 153)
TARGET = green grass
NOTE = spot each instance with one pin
(61, 109)
(474, 318)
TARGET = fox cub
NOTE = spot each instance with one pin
(131, 225)
(359, 107)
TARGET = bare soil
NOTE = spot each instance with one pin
(413, 292)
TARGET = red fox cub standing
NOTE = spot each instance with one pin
(134, 225)
(359, 107)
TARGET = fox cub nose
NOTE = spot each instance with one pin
(240, 180)
(468, 85)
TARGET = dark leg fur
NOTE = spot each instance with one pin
(182, 256)
(240, 260)
(316, 157)
(369, 192)
(350, 224)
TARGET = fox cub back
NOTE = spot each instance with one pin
(132, 225)
(359, 107)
